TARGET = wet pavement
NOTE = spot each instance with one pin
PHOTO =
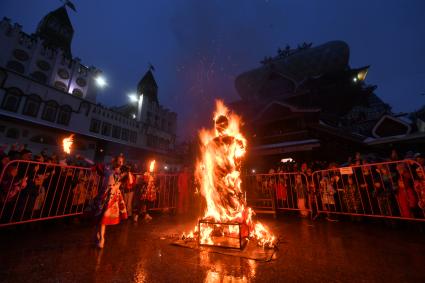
(317, 251)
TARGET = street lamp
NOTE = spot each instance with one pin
(100, 81)
(135, 98)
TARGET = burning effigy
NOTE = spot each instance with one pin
(228, 221)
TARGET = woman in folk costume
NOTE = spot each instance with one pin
(111, 207)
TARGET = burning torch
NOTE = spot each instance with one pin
(152, 167)
(67, 143)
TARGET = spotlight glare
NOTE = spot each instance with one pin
(133, 97)
(100, 81)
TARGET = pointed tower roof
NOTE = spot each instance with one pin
(56, 30)
(148, 87)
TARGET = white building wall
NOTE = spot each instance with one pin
(80, 77)
(84, 108)
(83, 111)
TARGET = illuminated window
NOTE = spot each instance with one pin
(361, 76)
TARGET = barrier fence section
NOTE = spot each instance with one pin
(278, 191)
(33, 191)
(165, 191)
(393, 190)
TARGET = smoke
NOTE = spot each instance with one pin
(214, 41)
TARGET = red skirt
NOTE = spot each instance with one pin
(115, 210)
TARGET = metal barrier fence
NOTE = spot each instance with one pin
(280, 191)
(393, 190)
(165, 191)
(33, 191)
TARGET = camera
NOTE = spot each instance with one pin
(125, 169)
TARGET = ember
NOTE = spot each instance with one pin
(218, 173)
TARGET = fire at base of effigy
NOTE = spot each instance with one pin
(228, 221)
(222, 234)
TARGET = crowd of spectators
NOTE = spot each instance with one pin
(22, 152)
(357, 160)
(39, 185)
(393, 187)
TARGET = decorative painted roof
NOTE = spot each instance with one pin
(290, 71)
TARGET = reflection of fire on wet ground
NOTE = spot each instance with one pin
(220, 271)
(228, 221)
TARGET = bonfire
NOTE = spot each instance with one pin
(218, 172)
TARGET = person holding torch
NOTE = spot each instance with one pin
(149, 193)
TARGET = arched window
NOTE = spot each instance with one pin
(32, 105)
(11, 100)
(16, 66)
(60, 85)
(43, 65)
(64, 115)
(39, 76)
(63, 74)
(50, 111)
(12, 133)
(84, 108)
(20, 55)
(81, 82)
(77, 92)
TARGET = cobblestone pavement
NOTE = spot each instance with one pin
(310, 252)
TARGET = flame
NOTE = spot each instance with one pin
(152, 166)
(67, 143)
(218, 173)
